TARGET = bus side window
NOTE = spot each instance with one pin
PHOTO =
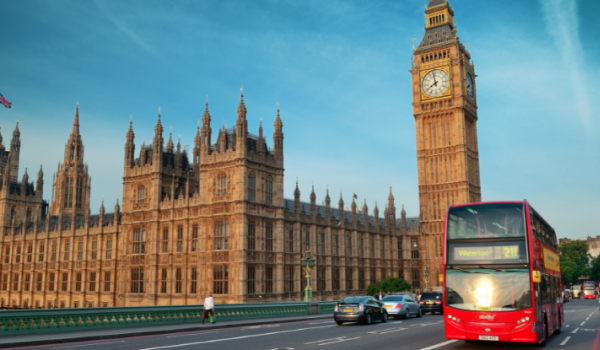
(544, 287)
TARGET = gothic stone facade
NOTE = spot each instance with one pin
(216, 219)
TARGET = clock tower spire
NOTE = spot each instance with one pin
(445, 112)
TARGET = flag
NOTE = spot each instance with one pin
(5, 103)
(355, 196)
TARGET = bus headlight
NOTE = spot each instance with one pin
(484, 292)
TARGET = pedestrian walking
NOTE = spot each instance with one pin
(209, 307)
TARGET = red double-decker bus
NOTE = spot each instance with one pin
(501, 274)
(589, 290)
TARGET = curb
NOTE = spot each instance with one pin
(154, 332)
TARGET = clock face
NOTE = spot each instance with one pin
(435, 82)
(470, 88)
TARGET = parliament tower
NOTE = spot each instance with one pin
(445, 111)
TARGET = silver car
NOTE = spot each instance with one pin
(401, 306)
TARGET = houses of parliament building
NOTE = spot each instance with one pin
(216, 218)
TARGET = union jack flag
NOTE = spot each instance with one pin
(5, 103)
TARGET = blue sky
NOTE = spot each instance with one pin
(339, 70)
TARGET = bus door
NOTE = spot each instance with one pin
(539, 311)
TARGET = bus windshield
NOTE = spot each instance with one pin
(588, 285)
(486, 220)
(488, 289)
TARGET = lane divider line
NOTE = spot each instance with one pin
(233, 338)
(440, 345)
(582, 323)
(576, 329)
(566, 340)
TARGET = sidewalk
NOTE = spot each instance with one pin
(115, 333)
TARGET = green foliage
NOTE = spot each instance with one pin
(574, 261)
(393, 284)
(595, 269)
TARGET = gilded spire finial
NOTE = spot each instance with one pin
(158, 109)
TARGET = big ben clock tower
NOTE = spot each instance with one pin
(445, 111)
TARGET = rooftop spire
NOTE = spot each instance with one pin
(76, 121)
(242, 107)
(170, 145)
(130, 134)
(16, 133)
(206, 115)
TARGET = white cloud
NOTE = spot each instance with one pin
(562, 23)
(124, 28)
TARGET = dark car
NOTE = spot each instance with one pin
(401, 306)
(432, 302)
(359, 309)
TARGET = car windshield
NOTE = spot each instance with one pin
(353, 300)
(488, 290)
(487, 220)
(430, 296)
(393, 298)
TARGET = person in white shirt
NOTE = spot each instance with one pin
(209, 306)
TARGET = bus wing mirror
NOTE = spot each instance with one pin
(537, 277)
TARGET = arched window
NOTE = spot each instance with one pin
(141, 193)
(222, 184)
(12, 214)
(68, 191)
(269, 192)
(79, 193)
(251, 188)
(72, 152)
(28, 215)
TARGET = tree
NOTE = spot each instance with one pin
(392, 284)
(595, 269)
(574, 261)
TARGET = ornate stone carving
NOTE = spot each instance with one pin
(220, 256)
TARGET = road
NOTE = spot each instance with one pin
(581, 331)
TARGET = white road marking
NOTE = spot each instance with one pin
(566, 340)
(339, 341)
(76, 346)
(234, 338)
(331, 341)
(567, 326)
(588, 318)
(440, 345)
(576, 329)
(320, 341)
(264, 326)
(321, 322)
(582, 323)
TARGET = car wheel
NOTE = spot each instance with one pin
(419, 314)
(339, 323)
(385, 317)
(368, 319)
(407, 313)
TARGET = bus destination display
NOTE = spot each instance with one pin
(509, 252)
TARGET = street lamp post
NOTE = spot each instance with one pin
(307, 265)
(426, 275)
